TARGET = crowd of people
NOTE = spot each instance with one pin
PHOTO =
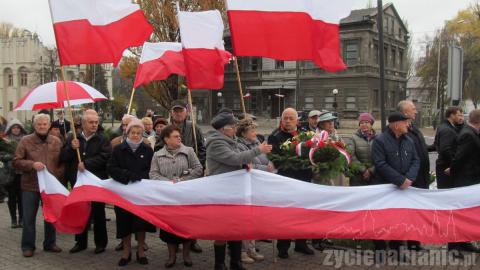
(175, 150)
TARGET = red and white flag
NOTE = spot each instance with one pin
(203, 49)
(288, 30)
(93, 31)
(261, 205)
(159, 61)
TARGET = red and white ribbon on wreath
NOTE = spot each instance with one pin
(319, 141)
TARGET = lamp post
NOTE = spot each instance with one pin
(381, 58)
(112, 106)
(335, 105)
(219, 104)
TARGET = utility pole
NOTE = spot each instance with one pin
(381, 57)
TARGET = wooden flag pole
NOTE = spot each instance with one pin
(131, 100)
(69, 109)
(193, 120)
(242, 102)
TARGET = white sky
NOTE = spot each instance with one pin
(424, 17)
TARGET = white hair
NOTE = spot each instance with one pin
(290, 110)
(88, 113)
(41, 116)
(127, 116)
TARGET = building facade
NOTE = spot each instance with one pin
(270, 85)
(26, 63)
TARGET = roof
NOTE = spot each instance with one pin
(362, 15)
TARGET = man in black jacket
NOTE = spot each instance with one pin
(62, 123)
(396, 162)
(445, 144)
(465, 169)
(95, 151)
(287, 130)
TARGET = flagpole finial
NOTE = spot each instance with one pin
(178, 6)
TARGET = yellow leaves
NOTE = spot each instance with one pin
(128, 67)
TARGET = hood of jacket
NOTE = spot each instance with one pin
(13, 122)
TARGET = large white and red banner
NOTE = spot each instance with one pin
(159, 61)
(92, 31)
(289, 30)
(261, 205)
(203, 49)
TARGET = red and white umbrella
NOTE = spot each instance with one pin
(52, 95)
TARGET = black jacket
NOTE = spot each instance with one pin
(394, 159)
(127, 166)
(94, 153)
(465, 167)
(64, 127)
(445, 143)
(188, 140)
(276, 139)
(422, 152)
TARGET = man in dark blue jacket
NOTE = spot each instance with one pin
(396, 162)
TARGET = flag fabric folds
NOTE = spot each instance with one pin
(203, 49)
(92, 31)
(159, 61)
(288, 30)
(261, 205)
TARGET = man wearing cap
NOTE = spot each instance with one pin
(287, 130)
(311, 124)
(396, 162)
(178, 117)
(224, 154)
(95, 151)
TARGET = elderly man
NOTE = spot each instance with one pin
(94, 152)
(225, 155)
(36, 152)
(311, 124)
(396, 162)
(286, 131)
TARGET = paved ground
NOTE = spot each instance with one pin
(11, 259)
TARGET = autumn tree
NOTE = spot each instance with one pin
(162, 16)
(463, 31)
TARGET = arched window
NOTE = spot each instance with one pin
(8, 77)
(23, 76)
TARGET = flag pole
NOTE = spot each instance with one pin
(242, 101)
(69, 109)
(131, 100)
(192, 115)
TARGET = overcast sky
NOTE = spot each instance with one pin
(423, 16)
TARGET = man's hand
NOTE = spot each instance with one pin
(447, 171)
(406, 184)
(38, 166)
(270, 167)
(265, 148)
(75, 144)
(81, 166)
(249, 167)
(367, 174)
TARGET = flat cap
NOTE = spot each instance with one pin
(396, 117)
(223, 119)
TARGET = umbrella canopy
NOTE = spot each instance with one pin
(52, 95)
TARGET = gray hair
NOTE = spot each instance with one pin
(88, 113)
(290, 110)
(402, 104)
(41, 116)
(127, 116)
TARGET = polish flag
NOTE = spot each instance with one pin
(159, 61)
(289, 30)
(93, 31)
(203, 49)
(261, 205)
(54, 196)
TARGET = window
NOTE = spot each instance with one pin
(23, 79)
(10, 79)
(351, 103)
(329, 103)
(376, 98)
(394, 57)
(10, 106)
(375, 53)
(279, 64)
(393, 102)
(236, 103)
(351, 53)
(385, 55)
(254, 64)
(392, 26)
(400, 59)
(308, 103)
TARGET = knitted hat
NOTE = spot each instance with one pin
(135, 122)
(366, 117)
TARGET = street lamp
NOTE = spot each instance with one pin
(335, 105)
(112, 107)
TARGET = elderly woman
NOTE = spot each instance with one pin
(158, 126)
(247, 139)
(130, 162)
(360, 145)
(326, 121)
(175, 162)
